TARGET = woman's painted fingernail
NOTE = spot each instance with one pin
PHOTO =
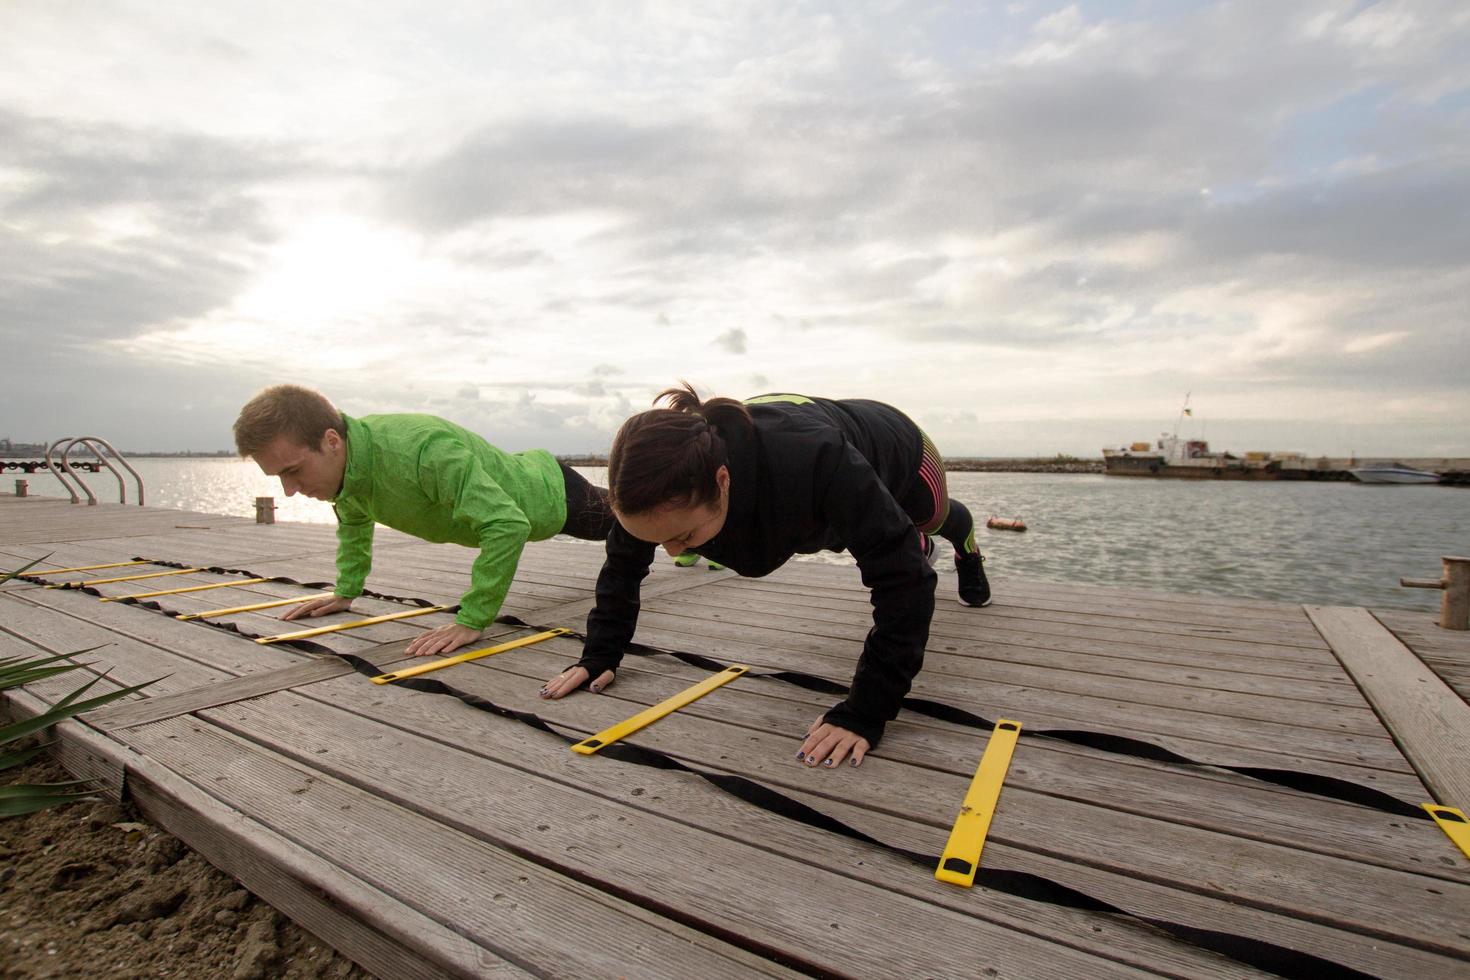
(594, 688)
(852, 762)
(800, 755)
(828, 763)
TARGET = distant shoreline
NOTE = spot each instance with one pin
(957, 464)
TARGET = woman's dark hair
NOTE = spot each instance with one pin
(670, 455)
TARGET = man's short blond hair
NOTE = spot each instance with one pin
(298, 413)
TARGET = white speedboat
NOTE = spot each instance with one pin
(1393, 473)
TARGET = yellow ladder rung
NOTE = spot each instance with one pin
(1453, 822)
(89, 568)
(123, 578)
(187, 588)
(648, 716)
(211, 613)
(961, 857)
(339, 627)
(464, 658)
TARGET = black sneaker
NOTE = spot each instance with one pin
(974, 589)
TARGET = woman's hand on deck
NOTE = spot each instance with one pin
(572, 678)
(827, 745)
(442, 640)
(319, 607)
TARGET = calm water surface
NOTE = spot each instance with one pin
(1297, 542)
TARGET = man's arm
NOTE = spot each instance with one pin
(354, 551)
(452, 477)
(354, 561)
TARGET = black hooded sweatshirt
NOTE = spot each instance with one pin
(812, 474)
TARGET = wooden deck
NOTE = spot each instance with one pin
(423, 837)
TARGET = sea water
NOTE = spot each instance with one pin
(1335, 543)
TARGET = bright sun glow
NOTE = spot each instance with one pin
(331, 268)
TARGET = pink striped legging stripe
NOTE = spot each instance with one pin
(931, 471)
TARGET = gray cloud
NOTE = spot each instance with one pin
(194, 235)
(989, 183)
(732, 340)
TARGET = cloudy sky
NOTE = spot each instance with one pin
(1034, 226)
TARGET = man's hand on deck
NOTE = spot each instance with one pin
(445, 639)
(827, 745)
(572, 678)
(319, 607)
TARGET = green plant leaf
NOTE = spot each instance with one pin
(64, 710)
(13, 759)
(17, 678)
(30, 789)
(40, 801)
(7, 576)
(23, 663)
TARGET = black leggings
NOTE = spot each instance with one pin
(588, 514)
(932, 509)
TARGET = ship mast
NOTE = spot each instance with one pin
(1183, 411)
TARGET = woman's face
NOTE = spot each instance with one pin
(681, 527)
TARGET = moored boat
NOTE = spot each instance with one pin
(1173, 456)
(1392, 473)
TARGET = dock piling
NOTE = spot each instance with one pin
(265, 510)
(22, 488)
(1454, 605)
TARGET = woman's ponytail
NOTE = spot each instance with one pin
(671, 455)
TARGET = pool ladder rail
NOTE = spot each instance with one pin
(63, 447)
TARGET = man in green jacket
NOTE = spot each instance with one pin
(427, 477)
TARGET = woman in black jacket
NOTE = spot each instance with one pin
(749, 485)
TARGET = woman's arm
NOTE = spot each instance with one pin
(883, 540)
(612, 621)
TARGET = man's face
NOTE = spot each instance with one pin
(314, 472)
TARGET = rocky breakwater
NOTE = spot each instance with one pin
(1052, 464)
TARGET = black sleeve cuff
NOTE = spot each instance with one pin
(596, 664)
(843, 716)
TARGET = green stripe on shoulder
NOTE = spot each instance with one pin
(767, 399)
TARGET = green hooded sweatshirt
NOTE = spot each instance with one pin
(432, 479)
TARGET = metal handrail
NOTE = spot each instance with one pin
(51, 467)
(92, 443)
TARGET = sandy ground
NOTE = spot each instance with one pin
(91, 889)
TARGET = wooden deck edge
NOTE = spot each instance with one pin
(1428, 721)
(383, 936)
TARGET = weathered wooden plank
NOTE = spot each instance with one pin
(1287, 626)
(1361, 899)
(1259, 876)
(820, 574)
(782, 650)
(1099, 645)
(1211, 799)
(1267, 699)
(648, 851)
(113, 717)
(532, 914)
(1428, 720)
(400, 942)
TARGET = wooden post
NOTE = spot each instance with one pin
(1454, 605)
(265, 510)
(22, 488)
